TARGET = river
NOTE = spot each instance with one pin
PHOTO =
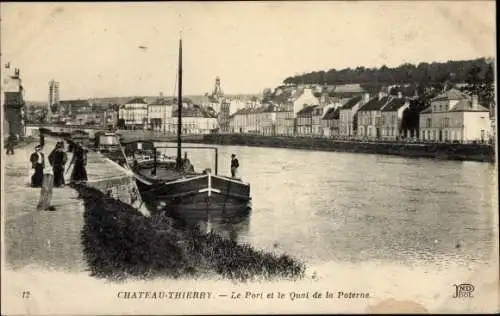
(328, 206)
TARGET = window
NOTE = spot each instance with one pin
(429, 122)
(446, 122)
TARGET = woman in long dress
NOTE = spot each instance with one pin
(79, 173)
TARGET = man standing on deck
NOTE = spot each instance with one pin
(234, 166)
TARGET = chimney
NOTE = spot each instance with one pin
(474, 101)
(366, 97)
(381, 94)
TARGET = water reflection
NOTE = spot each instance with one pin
(231, 227)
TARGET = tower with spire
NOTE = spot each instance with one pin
(217, 93)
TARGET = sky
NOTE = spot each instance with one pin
(94, 50)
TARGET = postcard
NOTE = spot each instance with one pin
(249, 157)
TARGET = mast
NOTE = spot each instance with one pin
(179, 109)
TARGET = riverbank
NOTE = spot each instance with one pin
(441, 151)
(119, 243)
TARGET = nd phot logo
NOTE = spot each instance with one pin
(463, 290)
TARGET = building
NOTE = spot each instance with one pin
(284, 123)
(369, 117)
(246, 120)
(159, 112)
(348, 115)
(455, 117)
(53, 97)
(13, 103)
(347, 90)
(302, 98)
(69, 107)
(89, 117)
(195, 120)
(134, 114)
(330, 123)
(275, 121)
(325, 103)
(267, 120)
(110, 118)
(305, 121)
(225, 116)
(392, 117)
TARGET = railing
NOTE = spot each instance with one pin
(216, 163)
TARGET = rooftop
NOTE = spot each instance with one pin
(466, 106)
(352, 102)
(462, 106)
(349, 88)
(332, 114)
(394, 104)
(195, 111)
(375, 104)
(452, 94)
(136, 101)
(307, 110)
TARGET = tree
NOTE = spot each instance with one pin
(488, 89)
(423, 74)
(267, 95)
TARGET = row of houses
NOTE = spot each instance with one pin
(452, 116)
(161, 115)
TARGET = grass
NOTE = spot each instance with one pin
(120, 243)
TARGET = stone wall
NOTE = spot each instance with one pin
(123, 189)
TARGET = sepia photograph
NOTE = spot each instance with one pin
(249, 157)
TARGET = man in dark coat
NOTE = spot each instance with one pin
(57, 160)
(234, 166)
(37, 160)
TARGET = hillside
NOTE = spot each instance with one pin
(423, 73)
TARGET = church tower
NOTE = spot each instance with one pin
(217, 93)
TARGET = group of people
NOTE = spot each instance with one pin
(57, 160)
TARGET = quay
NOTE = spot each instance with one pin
(440, 151)
(102, 228)
(53, 238)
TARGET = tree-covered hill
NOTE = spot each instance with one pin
(451, 71)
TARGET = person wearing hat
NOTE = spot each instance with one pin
(37, 160)
(234, 166)
(57, 160)
(79, 173)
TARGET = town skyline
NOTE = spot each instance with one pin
(247, 57)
